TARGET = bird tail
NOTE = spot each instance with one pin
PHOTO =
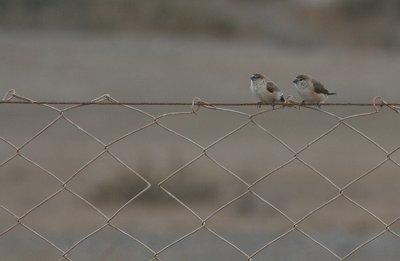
(331, 93)
(282, 99)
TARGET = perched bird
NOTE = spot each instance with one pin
(311, 90)
(265, 90)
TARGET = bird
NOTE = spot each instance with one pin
(311, 90)
(265, 90)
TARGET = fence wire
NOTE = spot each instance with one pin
(202, 223)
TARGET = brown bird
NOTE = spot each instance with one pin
(310, 89)
(265, 90)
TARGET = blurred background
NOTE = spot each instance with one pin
(172, 51)
(83, 48)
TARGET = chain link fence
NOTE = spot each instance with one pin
(268, 184)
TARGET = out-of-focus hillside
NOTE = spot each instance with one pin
(358, 22)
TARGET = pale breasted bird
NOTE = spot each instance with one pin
(311, 90)
(265, 90)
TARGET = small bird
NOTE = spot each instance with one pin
(265, 90)
(311, 90)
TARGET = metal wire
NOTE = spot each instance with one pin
(197, 104)
(82, 103)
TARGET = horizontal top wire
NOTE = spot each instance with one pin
(106, 99)
(179, 103)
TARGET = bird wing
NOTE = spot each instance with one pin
(271, 87)
(319, 87)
